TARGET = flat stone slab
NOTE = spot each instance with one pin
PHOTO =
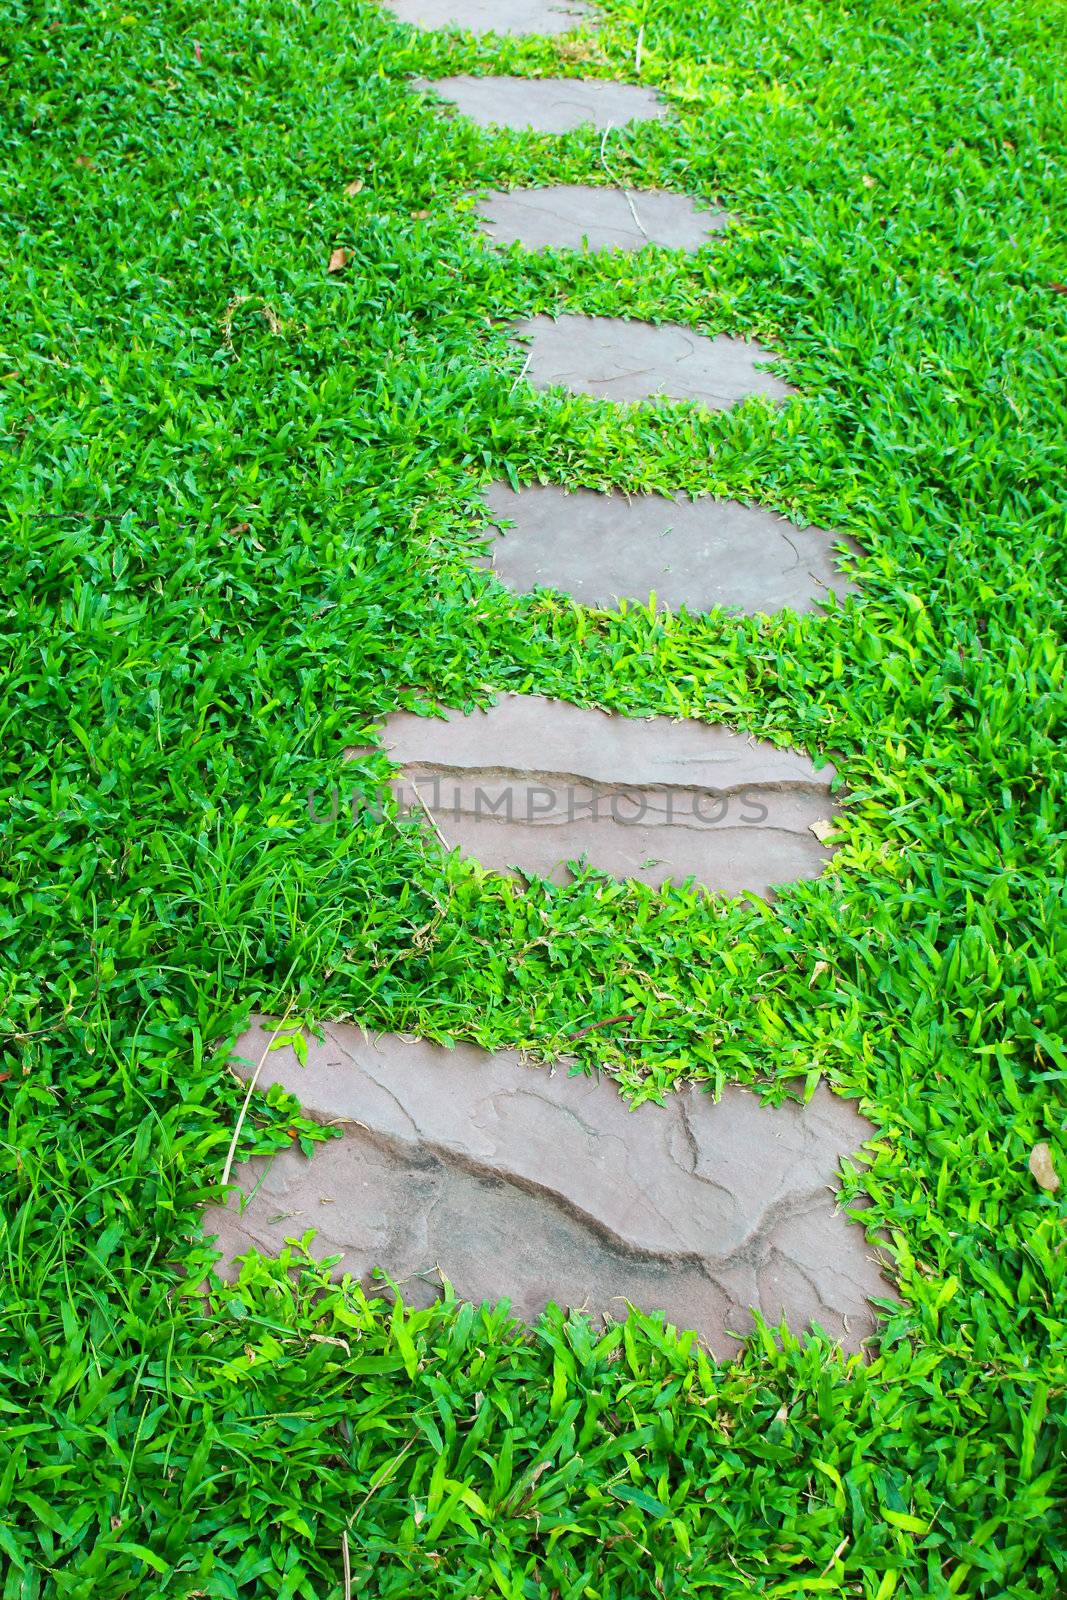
(547, 105)
(494, 16)
(617, 358)
(534, 783)
(514, 1182)
(602, 548)
(575, 216)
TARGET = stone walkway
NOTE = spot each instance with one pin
(533, 1185)
(546, 105)
(574, 216)
(536, 1185)
(535, 783)
(602, 548)
(613, 358)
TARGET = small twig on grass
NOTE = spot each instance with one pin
(251, 1090)
(383, 1476)
(522, 374)
(267, 312)
(637, 52)
(606, 1022)
(347, 1564)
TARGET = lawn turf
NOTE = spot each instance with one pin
(239, 498)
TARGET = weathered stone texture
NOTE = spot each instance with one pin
(602, 548)
(622, 359)
(514, 17)
(520, 1183)
(546, 105)
(534, 783)
(577, 216)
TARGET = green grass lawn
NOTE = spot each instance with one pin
(240, 507)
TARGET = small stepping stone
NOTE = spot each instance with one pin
(516, 17)
(574, 216)
(515, 1182)
(534, 783)
(616, 358)
(547, 105)
(602, 548)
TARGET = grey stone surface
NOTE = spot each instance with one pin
(601, 548)
(494, 16)
(619, 358)
(574, 216)
(547, 105)
(520, 1183)
(533, 783)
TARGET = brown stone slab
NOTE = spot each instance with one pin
(514, 17)
(532, 783)
(602, 548)
(546, 105)
(574, 216)
(514, 1182)
(617, 358)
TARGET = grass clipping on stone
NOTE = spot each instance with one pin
(232, 540)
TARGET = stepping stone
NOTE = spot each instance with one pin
(534, 783)
(602, 548)
(494, 16)
(515, 1182)
(547, 105)
(616, 358)
(574, 216)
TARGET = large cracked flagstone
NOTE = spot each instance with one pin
(532, 783)
(515, 17)
(547, 105)
(602, 548)
(514, 1182)
(574, 216)
(618, 358)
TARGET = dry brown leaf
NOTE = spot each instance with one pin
(83, 161)
(867, 181)
(420, 216)
(1041, 1169)
(338, 260)
(580, 52)
(822, 829)
(354, 187)
(325, 1338)
(817, 971)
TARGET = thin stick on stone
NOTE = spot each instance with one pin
(248, 1097)
(430, 816)
(629, 198)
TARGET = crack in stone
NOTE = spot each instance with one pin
(605, 790)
